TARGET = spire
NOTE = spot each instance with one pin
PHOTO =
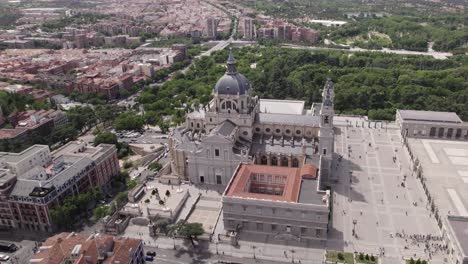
(328, 93)
(328, 90)
(231, 63)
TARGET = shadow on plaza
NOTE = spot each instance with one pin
(346, 179)
(335, 239)
(197, 253)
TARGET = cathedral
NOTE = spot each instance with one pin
(237, 127)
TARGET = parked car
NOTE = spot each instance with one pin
(4, 257)
(151, 253)
(149, 258)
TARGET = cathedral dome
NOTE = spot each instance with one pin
(232, 83)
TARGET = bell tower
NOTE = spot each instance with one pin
(326, 133)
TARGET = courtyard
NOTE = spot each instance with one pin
(379, 206)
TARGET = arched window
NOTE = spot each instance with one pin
(441, 132)
(223, 106)
(458, 133)
(191, 124)
(228, 104)
(274, 161)
(263, 160)
(432, 133)
(242, 104)
(450, 133)
(295, 163)
(284, 162)
(198, 125)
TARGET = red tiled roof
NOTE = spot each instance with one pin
(239, 186)
(58, 248)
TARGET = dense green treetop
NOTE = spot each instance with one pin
(367, 83)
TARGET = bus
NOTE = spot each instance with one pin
(7, 246)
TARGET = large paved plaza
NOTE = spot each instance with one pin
(378, 196)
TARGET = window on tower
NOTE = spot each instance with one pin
(326, 120)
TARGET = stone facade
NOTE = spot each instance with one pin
(237, 127)
(429, 124)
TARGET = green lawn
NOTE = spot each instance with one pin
(347, 257)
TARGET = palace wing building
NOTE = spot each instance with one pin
(236, 128)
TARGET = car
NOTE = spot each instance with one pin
(4, 257)
(149, 258)
(151, 253)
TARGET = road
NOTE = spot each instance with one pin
(434, 54)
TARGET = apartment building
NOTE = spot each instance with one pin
(42, 180)
(31, 124)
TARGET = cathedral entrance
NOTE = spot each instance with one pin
(202, 179)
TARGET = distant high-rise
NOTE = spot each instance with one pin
(249, 28)
(211, 27)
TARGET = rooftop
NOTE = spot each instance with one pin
(287, 119)
(274, 183)
(459, 225)
(429, 116)
(60, 247)
(281, 106)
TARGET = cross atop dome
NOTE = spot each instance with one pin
(231, 63)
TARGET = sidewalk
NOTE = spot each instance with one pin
(249, 250)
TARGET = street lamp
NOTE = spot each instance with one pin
(292, 255)
(354, 227)
(173, 241)
(216, 243)
(253, 248)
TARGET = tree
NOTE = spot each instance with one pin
(412, 261)
(121, 198)
(191, 231)
(127, 164)
(128, 121)
(418, 261)
(81, 117)
(100, 212)
(162, 224)
(156, 166)
(340, 256)
(131, 184)
(361, 256)
(64, 133)
(372, 258)
(168, 193)
(106, 138)
(106, 113)
(164, 126)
